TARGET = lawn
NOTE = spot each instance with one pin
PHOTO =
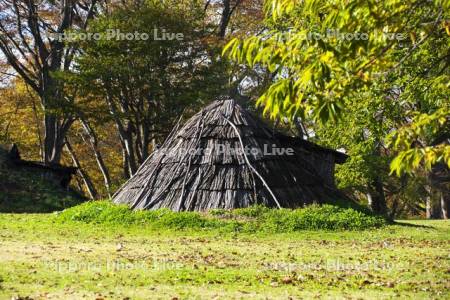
(44, 259)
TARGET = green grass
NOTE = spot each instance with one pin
(250, 220)
(43, 256)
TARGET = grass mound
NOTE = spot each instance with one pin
(314, 217)
(252, 219)
(104, 212)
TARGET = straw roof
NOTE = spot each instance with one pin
(224, 157)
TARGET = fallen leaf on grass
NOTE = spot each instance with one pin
(287, 280)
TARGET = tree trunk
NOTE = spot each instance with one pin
(93, 141)
(53, 144)
(145, 143)
(126, 168)
(394, 209)
(369, 199)
(55, 127)
(86, 179)
(433, 210)
(129, 152)
(125, 135)
(376, 197)
(439, 179)
(224, 18)
(445, 204)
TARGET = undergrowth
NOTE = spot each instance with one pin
(252, 219)
(28, 191)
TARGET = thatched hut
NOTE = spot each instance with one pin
(224, 157)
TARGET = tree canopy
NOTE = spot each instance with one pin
(324, 54)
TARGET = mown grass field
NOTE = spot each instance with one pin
(42, 258)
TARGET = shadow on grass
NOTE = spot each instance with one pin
(405, 224)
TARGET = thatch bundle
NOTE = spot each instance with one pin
(223, 157)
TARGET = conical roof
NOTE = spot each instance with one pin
(224, 157)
